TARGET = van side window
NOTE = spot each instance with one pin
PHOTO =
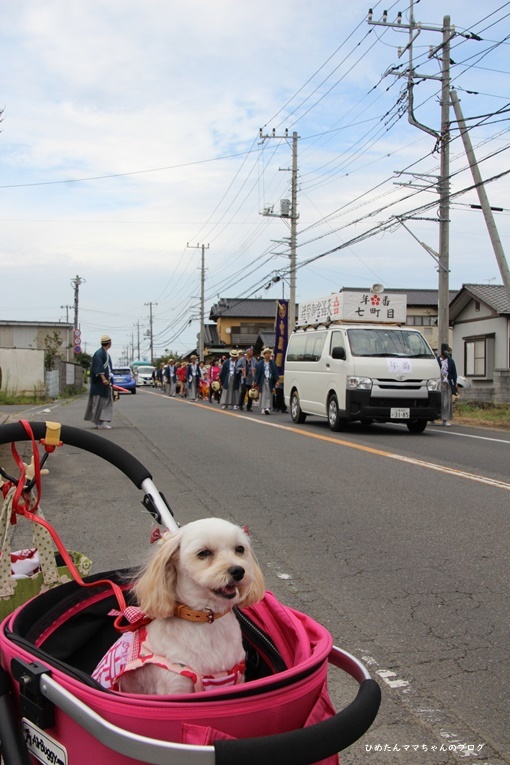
(306, 347)
(337, 341)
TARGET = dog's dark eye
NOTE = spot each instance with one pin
(239, 549)
(203, 554)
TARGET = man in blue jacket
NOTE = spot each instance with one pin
(100, 404)
(266, 380)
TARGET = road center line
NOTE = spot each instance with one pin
(360, 447)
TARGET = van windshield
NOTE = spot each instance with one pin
(372, 341)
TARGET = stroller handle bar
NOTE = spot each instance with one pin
(107, 450)
(304, 746)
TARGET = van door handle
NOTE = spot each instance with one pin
(327, 365)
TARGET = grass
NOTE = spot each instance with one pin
(481, 414)
(15, 399)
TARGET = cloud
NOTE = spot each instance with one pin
(156, 93)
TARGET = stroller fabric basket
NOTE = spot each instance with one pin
(50, 645)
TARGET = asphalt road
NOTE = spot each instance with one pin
(398, 543)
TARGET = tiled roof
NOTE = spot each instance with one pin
(256, 308)
(268, 339)
(493, 295)
(211, 334)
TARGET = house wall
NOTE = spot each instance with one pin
(231, 330)
(22, 371)
(14, 335)
(480, 324)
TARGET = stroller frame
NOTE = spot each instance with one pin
(301, 746)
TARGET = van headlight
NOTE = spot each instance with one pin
(433, 384)
(359, 383)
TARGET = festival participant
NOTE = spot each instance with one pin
(229, 380)
(266, 380)
(246, 366)
(193, 377)
(214, 375)
(182, 370)
(100, 402)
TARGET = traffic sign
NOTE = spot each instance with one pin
(77, 348)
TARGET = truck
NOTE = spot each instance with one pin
(351, 358)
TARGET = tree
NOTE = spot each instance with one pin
(85, 359)
(53, 350)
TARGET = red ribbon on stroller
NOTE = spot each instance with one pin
(21, 506)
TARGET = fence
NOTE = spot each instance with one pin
(67, 377)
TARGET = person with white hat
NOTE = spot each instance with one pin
(246, 366)
(266, 379)
(229, 379)
(100, 404)
(194, 375)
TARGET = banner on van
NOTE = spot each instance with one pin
(385, 307)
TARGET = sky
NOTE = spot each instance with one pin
(131, 136)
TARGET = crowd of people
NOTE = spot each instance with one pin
(237, 381)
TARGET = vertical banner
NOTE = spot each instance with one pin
(281, 328)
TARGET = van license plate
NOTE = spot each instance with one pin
(400, 414)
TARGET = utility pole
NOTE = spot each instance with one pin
(292, 214)
(137, 340)
(443, 295)
(67, 307)
(482, 194)
(76, 282)
(201, 339)
(151, 334)
(442, 140)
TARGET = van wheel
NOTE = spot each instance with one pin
(416, 426)
(295, 410)
(336, 422)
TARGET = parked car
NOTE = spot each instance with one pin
(462, 382)
(124, 377)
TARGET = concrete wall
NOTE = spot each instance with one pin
(497, 393)
(22, 372)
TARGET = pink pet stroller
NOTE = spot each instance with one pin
(52, 711)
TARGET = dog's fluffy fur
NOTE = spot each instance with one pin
(207, 564)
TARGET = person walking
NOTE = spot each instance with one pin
(448, 385)
(193, 376)
(170, 378)
(214, 384)
(246, 366)
(229, 380)
(266, 379)
(100, 402)
(182, 379)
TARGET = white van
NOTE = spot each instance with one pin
(362, 371)
(143, 375)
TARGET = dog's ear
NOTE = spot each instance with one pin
(257, 588)
(155, 589)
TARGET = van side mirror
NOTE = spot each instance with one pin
(338, 352)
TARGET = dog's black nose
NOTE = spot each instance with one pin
(236, 572)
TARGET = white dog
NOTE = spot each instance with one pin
(188, 589)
